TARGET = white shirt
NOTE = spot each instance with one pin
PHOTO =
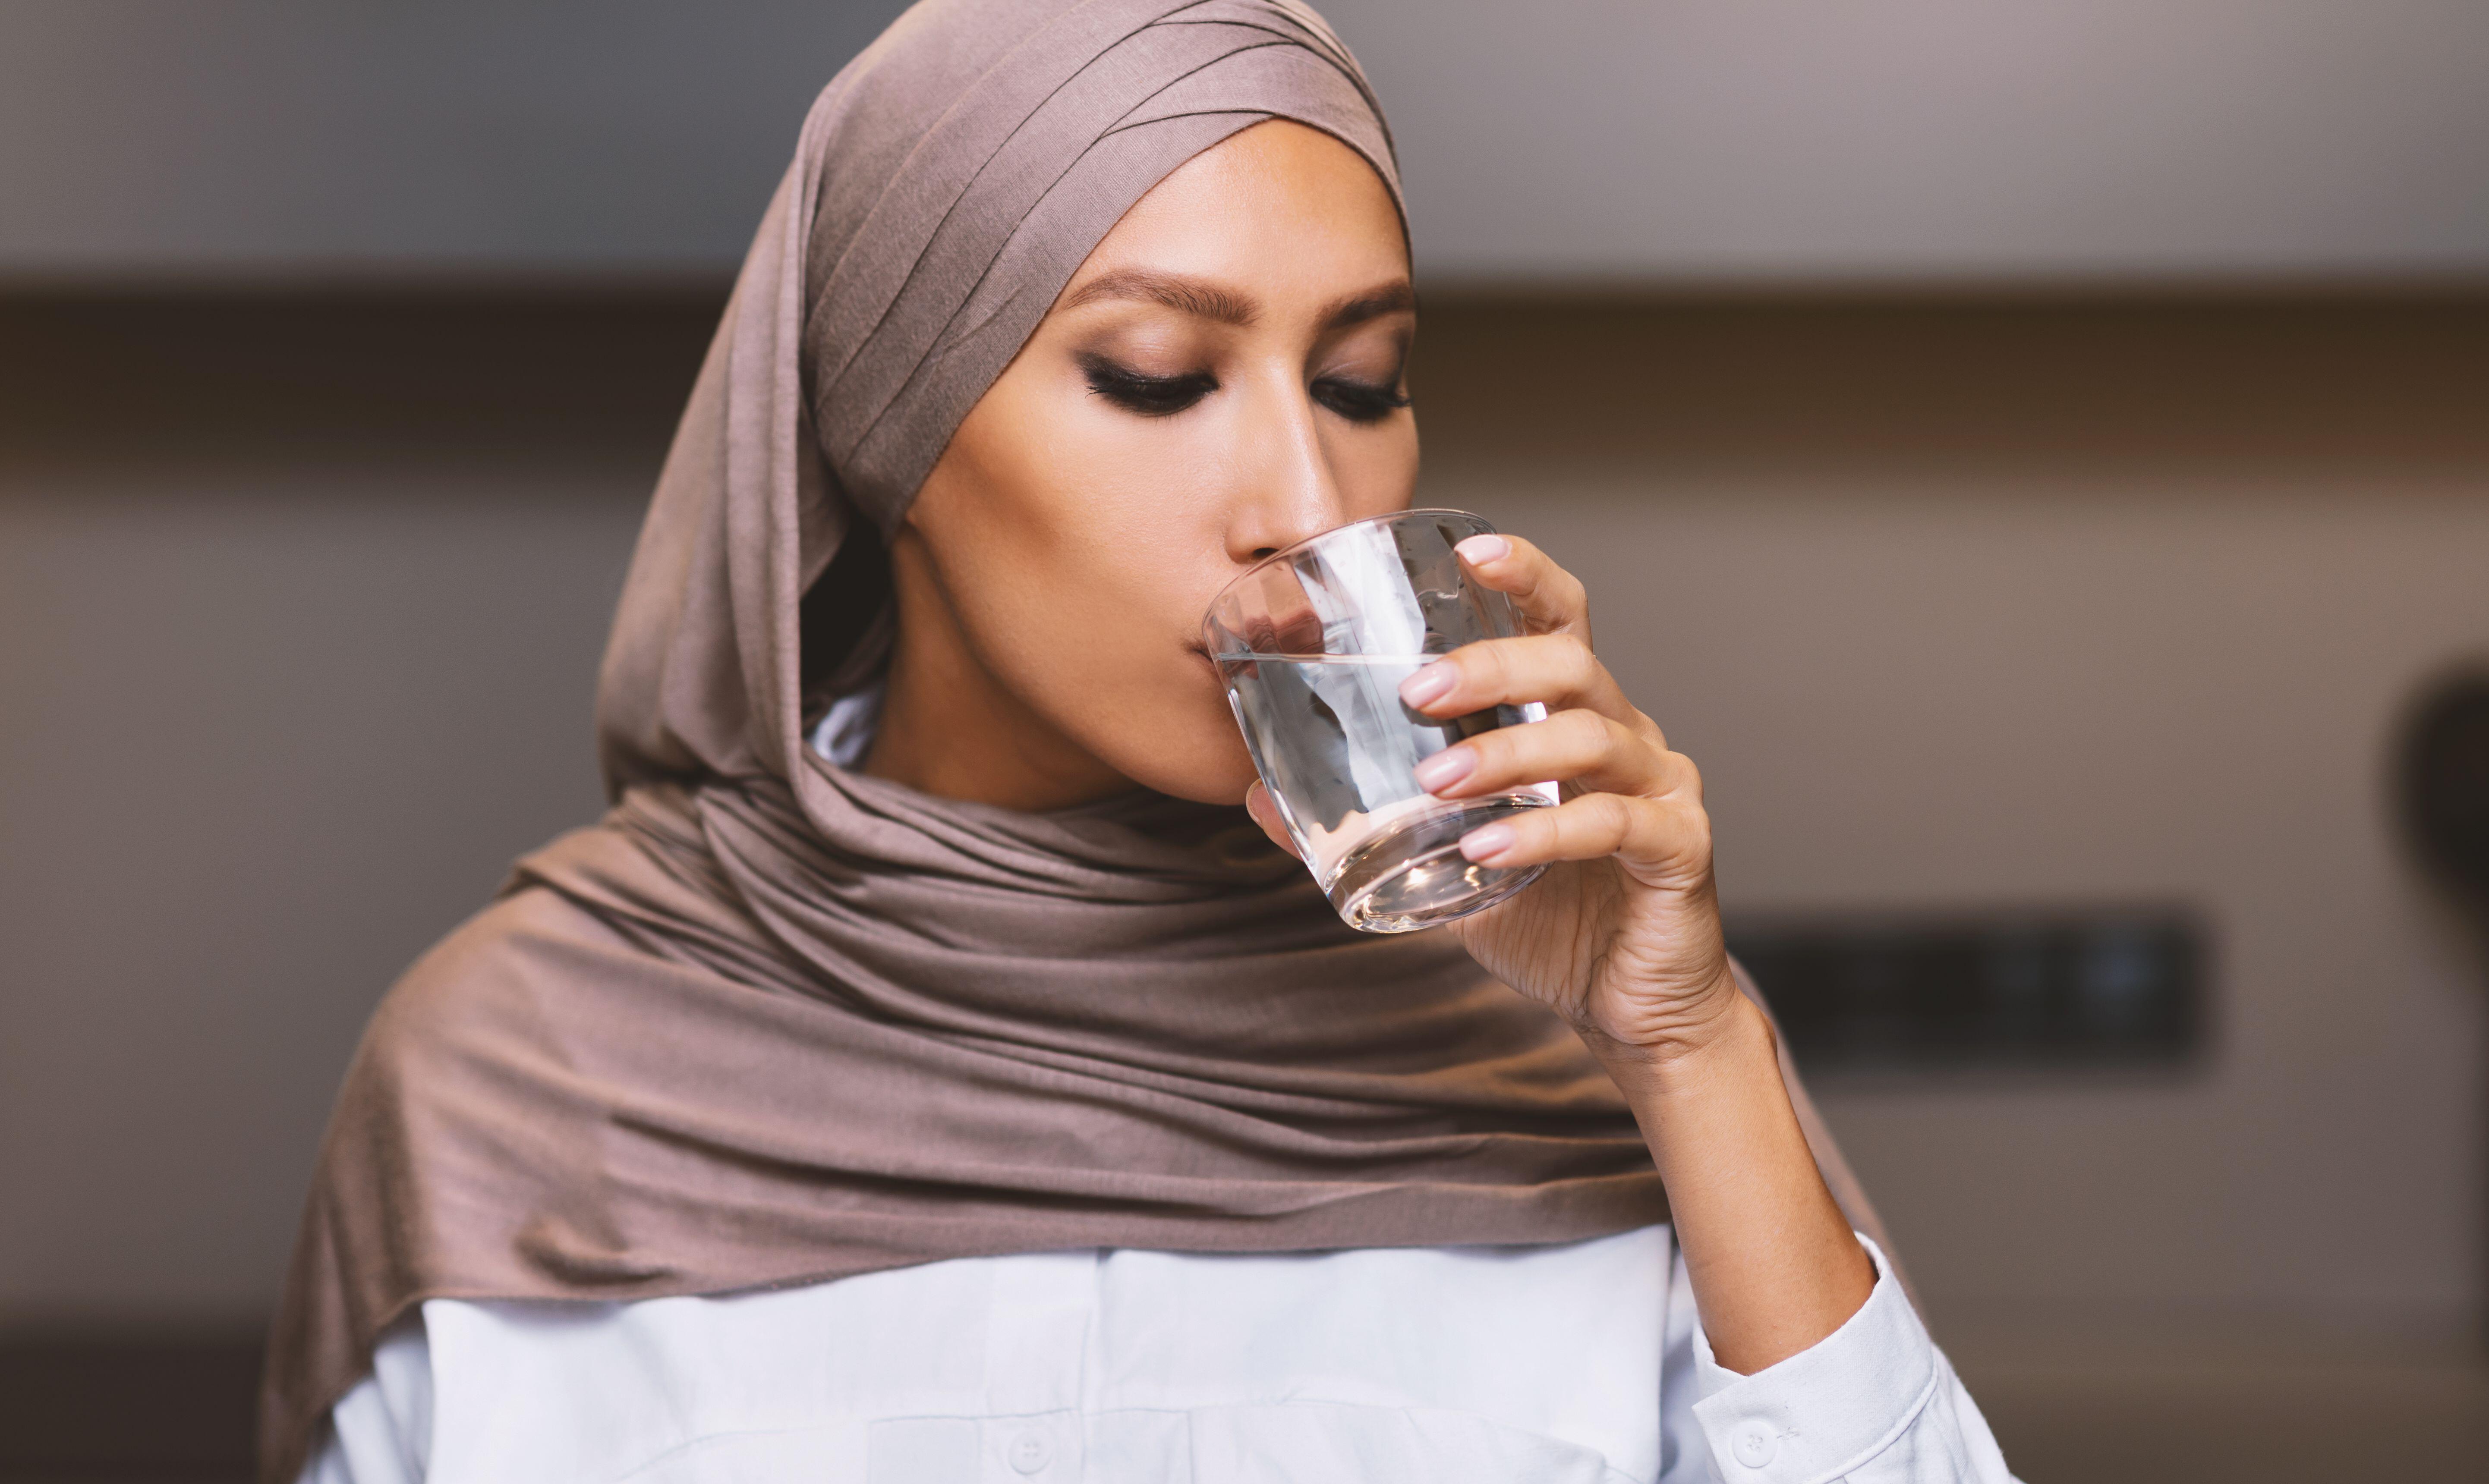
(1578, 1363)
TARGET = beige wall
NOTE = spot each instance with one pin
(2044, 695)
(1963, 603)
(2061, 602)
(263, 740)
(1957, 603)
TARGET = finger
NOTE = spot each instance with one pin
(1265, 812)
(1551, 599)
(1556, 670)
(1664, 841)
(1594, 753)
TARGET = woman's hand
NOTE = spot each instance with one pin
(1621, 934)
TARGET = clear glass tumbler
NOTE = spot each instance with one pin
(1313, 643)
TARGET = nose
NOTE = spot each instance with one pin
(1289, 491)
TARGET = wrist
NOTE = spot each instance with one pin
(1730, 1038)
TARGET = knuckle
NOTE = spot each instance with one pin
(1487, 671)
(1569, 590)
(1691, 826)
(1576, 657)
(1585, 732)
(1690, 777)
(1613, 820)
(1492, 749)
(1490, 668)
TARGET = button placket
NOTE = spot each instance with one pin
(1047, 1449)
(1030, 1451)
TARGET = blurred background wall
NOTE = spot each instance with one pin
(2029, 456)
(1623, 140)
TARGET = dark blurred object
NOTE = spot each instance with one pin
(2444, 786)
(2113, 987)
(195, 384)
(168, 1408)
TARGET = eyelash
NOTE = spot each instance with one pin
(1164, 396)
(1359, 401)
(1150, 396)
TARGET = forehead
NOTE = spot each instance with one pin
(1280, 210)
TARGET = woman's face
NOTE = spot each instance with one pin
(1223, 376)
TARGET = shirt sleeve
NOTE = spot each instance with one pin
(381, 1432)
(1874, 1402)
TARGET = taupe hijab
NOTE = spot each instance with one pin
(772, 1021)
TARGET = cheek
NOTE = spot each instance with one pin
(1090, 524)
(1376, 468)
(1079, 546)
(1151, 502)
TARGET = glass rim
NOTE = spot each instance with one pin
(1283, 554)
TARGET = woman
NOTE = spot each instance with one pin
(927, 1072)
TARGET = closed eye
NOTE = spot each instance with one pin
(1359, 401)
(1139, 392)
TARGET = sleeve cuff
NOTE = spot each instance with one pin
(1825, 1410)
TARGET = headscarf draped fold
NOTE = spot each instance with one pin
(773, 1022)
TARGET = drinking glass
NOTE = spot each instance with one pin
(1313, 643)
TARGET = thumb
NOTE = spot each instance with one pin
(1266, 814)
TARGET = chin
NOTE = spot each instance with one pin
(1193, 760)
(1188, 746)
(1204, 787)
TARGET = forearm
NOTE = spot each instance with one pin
(1772, 1261)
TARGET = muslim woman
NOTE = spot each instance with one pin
(934, 1068)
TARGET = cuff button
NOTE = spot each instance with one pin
(1753, 1443)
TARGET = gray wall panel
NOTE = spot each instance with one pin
(1690, 140)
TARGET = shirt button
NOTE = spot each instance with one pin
(1753, 1443)
(1030, 1453)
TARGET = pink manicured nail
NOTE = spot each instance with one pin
(1478, 551)
(1485, 841)
(1429, 684)
(1445, 768)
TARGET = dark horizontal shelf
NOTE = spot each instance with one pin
(110, 1403)
(1508, 382)
(2120, 986)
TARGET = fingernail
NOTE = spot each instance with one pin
(1485, 841)
(1445, 768)
(1430, 684)
(1478, 551)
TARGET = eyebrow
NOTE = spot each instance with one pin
(1371, 304)
(1191, 296)
(1212, 300)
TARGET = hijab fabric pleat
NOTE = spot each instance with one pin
(772, 1021)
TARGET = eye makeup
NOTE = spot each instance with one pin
(1143, 392)
(1359, 401)
(1149, 394)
